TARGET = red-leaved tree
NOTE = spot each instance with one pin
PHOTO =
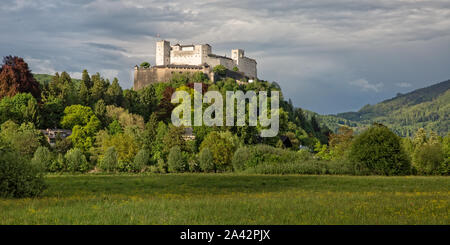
(16, 77)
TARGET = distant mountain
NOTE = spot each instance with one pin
(405, 113)
(46, 78)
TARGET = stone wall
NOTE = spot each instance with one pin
(155, 74)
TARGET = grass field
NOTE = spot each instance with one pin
(233, 199)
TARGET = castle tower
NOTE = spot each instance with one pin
(237, 54)
(162, 53)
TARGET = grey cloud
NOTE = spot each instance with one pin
(311, 48)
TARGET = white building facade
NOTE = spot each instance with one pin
(201, 54)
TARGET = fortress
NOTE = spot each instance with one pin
(173, 59)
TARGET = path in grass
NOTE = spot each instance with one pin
(233, 199)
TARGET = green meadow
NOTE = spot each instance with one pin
(181, 199)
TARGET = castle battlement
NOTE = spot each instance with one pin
(201, 54)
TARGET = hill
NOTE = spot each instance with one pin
(427, 108)
(46, 78)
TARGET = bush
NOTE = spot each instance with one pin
(140, 160)
(222, 146)
(76, 161)
(18, 178)
(249, 157)
(42, 158)
(175, 160)
(429, 158)
(206, 160)
(162, 166)
(193, 163)
(301, 167)
(109, 162)
(240, 158)
(380, 151)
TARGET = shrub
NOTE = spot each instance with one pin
(42, 158)
(76, 161)
(109, 162)
(380, 151)
(58, 164)
(222, 146)
(428, 158)
(140, 160)
(175, 160)
(145, 64)
(206, 160)
(193, 163)
(301, 167)
(18, 178)
(240, 158)
(162, 166)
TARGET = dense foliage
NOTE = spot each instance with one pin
(115, 129)
(427, 108)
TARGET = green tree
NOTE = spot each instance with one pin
(114, 94)
(174, 137)
(42, 158)
(379, 150)
(109, 162)
(222, 146)
(99, 87)
(220, 70)
(24, 139)
(140, 160)
(175, 160)
(76, 161)
(206, 160)
(86, 79)
(18, 178)
(145, 64)
(115, 128)
(76, 115)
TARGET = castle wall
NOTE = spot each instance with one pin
(146, 76)
(247, 66)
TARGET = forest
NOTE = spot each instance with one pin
(123, 130)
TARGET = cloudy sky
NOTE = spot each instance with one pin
(328, 56)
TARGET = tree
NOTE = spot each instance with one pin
(175, 160)
(76, 161)
(145, 64)
(428, 155)
(147, 99)
(114, 94)
(109, 161)
(140, 160)
(340, 142)
(76, 115)
(24, 139)
(174, 137)
(83, 94)
(51, 113)
(20, 108)
(16, 77)
(42, 158)
(379, 151)
(206, 160)
(18, 178)
(86, 79)
(222, 146)
(220, 70)
(150, 131)
(99, 87)
(115, 128)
